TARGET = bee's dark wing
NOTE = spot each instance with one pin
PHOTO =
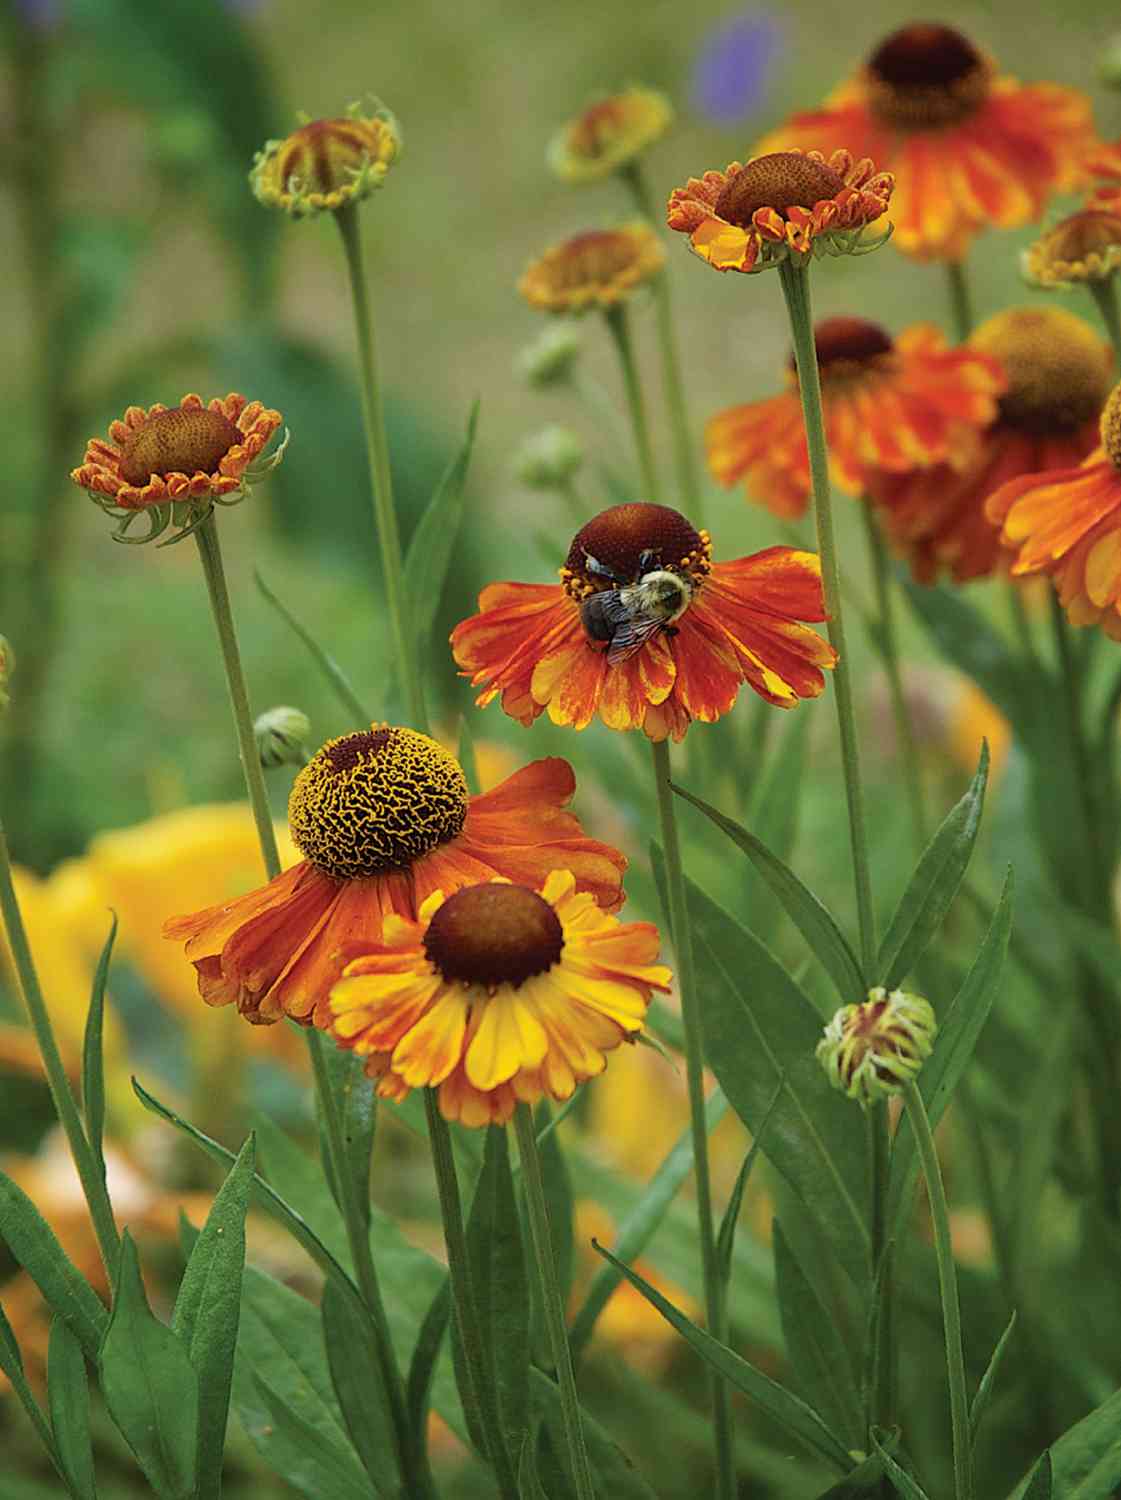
(631, 636)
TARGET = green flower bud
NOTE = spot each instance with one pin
(7, 668)
(873, 1049)
(282, 737)
(551, 356)
(1109, 63)
(549, 459)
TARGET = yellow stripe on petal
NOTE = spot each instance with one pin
(509, 1037)
(622, 1003)
(429, 1052)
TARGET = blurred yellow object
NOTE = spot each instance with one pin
(973, 718)
(621, 1122)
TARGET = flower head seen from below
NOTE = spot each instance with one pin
(326, 164)
(891, 404)
(609, 134)
(874, 1048)
(968, 147)
(496, 995)
(174, 464)
(383, 818)
(598, 269)
(646, 631)
(1084, 247)
(783, 205)
(1066, 523)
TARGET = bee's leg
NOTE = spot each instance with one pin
(647, 560)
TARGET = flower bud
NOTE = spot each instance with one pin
(551, 356)
(1109, 63)
(873, 1049)
(7, 668)
(281, 735)
(548, 459)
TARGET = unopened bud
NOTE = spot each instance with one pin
(549, 459)
(282, 737)
(1109, 63)
(7, 668)
(551, 356)
(873, 1049)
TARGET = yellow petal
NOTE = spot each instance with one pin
(509, 1037)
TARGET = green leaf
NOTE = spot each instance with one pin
(932, 888)
(864, 1483)
(617, 1477)
(68, 1396)
(1084, 1464)
(760, 1028)
(32, 1242)
(465, 754)
(150, 1385)
(790, 1411)
(529, 1485)
(207, 1309)
(812, 919)
(11, 1363)
(816, 1349)
(422, 1366)
(326, 663)
(638, 1228)
(901, 1481)
(726, 1238)
(308, 1456)
(558, 1195)
(1041, 1479)
(433, 542)
(93, 1062)
(356, 1104)
(360, 1386)
(980, 1402)
(957, 1037)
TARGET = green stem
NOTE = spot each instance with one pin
(1104, 294)
(684, 455)
(889, 650)
(882, 1393)
(796, 289)
(616, 318)
(961, 304)
(681, 933)
(552, 1301)
(1099, 874)
(464, 1306)
(85, 1160)
(377, 454)
(947, 1281)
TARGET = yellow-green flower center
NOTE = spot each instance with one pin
(376, 800)
(779, 180)
(1056, 366)
(494, 934)
(924, 77)
(178, 441)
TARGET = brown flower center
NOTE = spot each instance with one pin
(925, 76)
(779, 180)
(597, 128)
(178, 441)
(376, 800)
(1111, 427)
(597, 256)
(494, 934)
(1083, 234)
(324, 154)
(1056, 366)
(847, 345)
(622, 543)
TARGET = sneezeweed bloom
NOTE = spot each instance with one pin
(872, 1049)
(174, 464)
(1084, 247)
(892, 404)
(783, 205)
(1067, 524)
(599, 269)
(647, 631)
(383, 818)
(326, 164)
(968, 147)
(609, 134)
(496, 995)
(1057, 373)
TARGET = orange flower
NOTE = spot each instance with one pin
(968, 147)
(1057, 372)
(384, 819)
(784, 204)
(597, 269)
(609, 134)
(888, 405)
(326, 164)
(1083, 247)
(645, 630)
(1067, 524)
(497, 994)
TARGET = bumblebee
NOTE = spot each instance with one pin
(628, 614)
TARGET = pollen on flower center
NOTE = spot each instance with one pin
(779, 180)
(1056, 366)
(376, 800)
(1111, 428)
(625, 541)
(494, 934)
(924, 76)
(178, 441)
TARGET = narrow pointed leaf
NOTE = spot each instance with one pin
(616, 1476)
(313, 1461)
(207, 1310)
(326, 663)
(150, 1385)
(1083, 1464)
(433, 542)
(93, 1059)
(356, 1103)
(799, 1419)
(864, 1483)
(422, 1366)
(558, 1196)
(980, 1402)
(726, 1237)
(529, 1485)
(359, 1386)
(11, 1363)
(812, 919)
(938, 875)
(817, 1352)
(902, 1482)
(33, 1244)
(1042, 1480)
(68, 1397)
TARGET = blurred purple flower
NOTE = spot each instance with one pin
(731, 72)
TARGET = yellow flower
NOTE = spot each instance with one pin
(598, 269)
(326, 164)
(1084, 247)
(609, 134)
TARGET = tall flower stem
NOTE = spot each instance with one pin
(796, 289)
(888, 643)
(551, 1300)
(684, 455)
(616, 319)
(961, 303)
(948, 1286)
(715, 1314)
(1104, 294)
(377, 454)
(88, 1167)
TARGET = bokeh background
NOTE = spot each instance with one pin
(138, 267)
